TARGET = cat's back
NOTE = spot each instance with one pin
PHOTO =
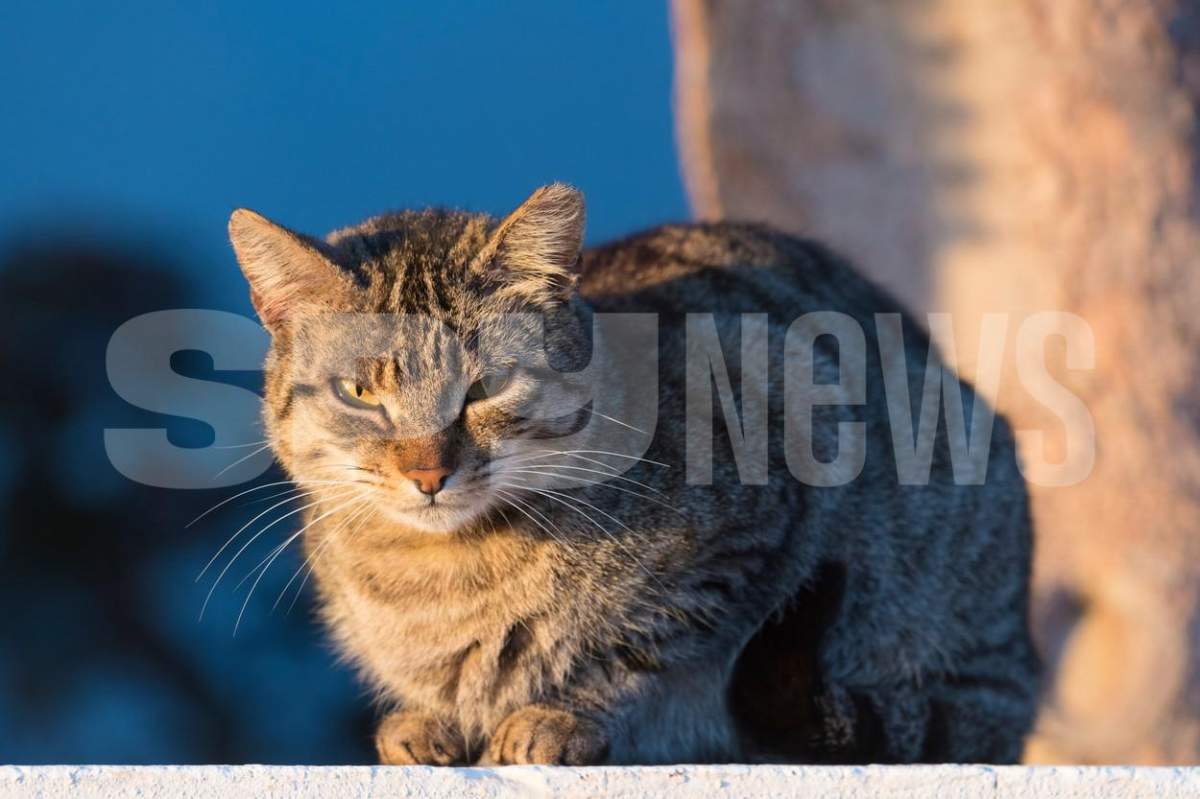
(726, 267)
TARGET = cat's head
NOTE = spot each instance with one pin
(413, 352)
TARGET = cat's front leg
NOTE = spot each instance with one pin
(616, 716)
(546, 735)
(413, 738)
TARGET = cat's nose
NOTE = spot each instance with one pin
(429, 481)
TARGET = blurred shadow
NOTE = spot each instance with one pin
(101, 656)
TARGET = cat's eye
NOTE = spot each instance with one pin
(489, 385)
(354, 394)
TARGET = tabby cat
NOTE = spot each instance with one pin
(525, 578)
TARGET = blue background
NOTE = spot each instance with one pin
(156, 119)
(129, 132)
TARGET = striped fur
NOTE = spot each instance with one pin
(681, 622)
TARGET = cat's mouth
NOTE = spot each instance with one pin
(433, 503)
(436, 514)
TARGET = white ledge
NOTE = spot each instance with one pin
(669, 782)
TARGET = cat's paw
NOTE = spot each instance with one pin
(415, 739)
(546, 736)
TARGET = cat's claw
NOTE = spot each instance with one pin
(547, 736)
(415, 739)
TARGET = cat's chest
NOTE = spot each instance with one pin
(453, 640)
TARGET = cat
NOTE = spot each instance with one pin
(507, 614)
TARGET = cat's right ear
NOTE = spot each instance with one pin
(287, 272)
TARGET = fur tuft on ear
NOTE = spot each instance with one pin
(286, 271)
(535, 250)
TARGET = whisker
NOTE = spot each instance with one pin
(277, 549)
(357, 512)
(237, 446)
(208, 565)
(300, 589)
(554, 496)
(618, 421)
(549, 494)
(347, 466)
(253, 538)
(591, 452)
(280, 550)
(606, 475)
(241, 529)
(512, 500)
(235, 496)
(602, 484)
(241, 460)
(272, 496)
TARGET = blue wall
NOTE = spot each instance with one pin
(159, 118)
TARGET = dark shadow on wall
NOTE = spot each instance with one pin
(102, 658)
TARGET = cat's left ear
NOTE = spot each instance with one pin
(535, 251)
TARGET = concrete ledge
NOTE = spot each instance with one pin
(669, 782)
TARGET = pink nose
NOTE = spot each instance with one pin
(429, 481)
